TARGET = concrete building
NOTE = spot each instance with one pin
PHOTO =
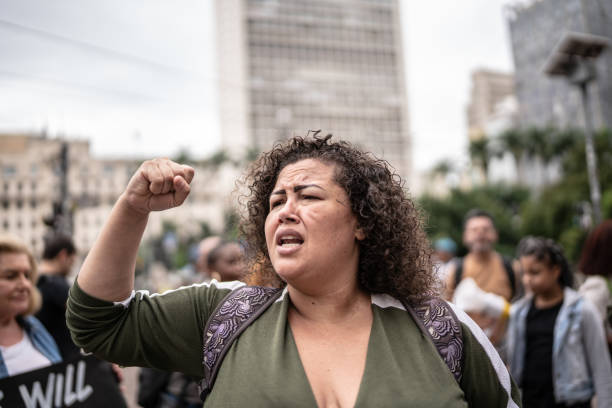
(30, 183)
(489, 89)
(535, 28)
(290, 66)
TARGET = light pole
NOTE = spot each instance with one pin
(574, 58)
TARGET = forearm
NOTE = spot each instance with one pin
(108, 271)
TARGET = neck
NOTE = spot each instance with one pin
(334, 306)
(483, 255)
(550, 298)
(48, 267)
(10, 331)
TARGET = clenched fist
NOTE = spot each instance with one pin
(158, 185)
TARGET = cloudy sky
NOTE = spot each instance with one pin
(137, 77)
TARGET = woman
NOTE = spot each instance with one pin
(596, 264)
(333, 226)
(25, 345)
(557, 351)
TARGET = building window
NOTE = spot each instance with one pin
(19, 203)
(33, 203)
(5, 224)
(9, 171)
(5, 204)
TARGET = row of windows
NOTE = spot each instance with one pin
(19, 203)
(271, 52)
(323, 11)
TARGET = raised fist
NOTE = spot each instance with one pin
(158, 185)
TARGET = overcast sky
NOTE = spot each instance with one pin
(137, 77)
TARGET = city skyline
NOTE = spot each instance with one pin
(141, 85)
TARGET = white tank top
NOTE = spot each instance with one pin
(22, 357)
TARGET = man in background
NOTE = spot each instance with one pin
(58, 258)
(491, 272)
(204, 248)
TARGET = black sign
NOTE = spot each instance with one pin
(82, 382)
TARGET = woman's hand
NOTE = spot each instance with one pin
(158, 185)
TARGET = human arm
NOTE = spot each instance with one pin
(162, 331)
(108, 271)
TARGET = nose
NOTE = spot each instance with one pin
(287, 212)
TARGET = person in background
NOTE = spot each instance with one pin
(25, 344)
(490, 271)
(444, 253)
(596, 264)
(557, 352)
(206, 245)
(226, 262)
(58, 257)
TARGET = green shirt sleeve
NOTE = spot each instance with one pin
(482, 377)
(163, 331)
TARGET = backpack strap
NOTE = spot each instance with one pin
(233, 315)
(436, 318)
(458, 271)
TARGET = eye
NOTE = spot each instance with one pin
(310, 197)
(276, 203)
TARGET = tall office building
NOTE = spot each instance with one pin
(293, 65)
(535, 29)
(490, 89)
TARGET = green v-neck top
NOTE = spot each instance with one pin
(263, 368)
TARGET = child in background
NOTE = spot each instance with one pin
(557, 349)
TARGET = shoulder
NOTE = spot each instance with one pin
(32, 324)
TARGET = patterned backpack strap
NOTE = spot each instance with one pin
(233, 315)
(436, 318)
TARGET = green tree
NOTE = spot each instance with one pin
(480, 155)
(513, 141)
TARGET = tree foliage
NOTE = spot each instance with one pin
(559, 210)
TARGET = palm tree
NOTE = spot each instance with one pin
(480, 155)
(513, 141)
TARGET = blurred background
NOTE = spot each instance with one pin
(478, 103)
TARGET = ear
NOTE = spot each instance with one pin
(359, 234)
(556, 271)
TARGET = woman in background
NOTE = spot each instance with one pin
(557, 353)
(596, 263)
(25, 344)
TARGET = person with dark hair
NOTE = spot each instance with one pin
(226, 262)
(25, 344)
(204, 247)
(490, 271)
(59, 254)
(557, 351)
(342, 322)
(596, 264)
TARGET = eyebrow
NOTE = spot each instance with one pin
(298, 188)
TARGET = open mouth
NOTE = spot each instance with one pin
(289, 240)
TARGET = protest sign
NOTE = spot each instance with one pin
(82, 382)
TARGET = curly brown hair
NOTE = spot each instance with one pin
(395, 256)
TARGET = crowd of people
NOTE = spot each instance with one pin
(333, 297)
